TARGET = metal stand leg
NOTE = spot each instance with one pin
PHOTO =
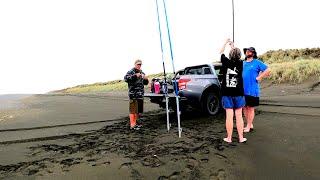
(178, 116)
(167, 109)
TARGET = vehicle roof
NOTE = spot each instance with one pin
(214, 64)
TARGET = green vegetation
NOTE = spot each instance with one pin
(116, 85)
(293, 65)
(279, 56)
(295, 71)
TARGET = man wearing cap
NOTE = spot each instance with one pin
(136, 80)
(253, 72)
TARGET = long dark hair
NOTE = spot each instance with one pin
(235, 54)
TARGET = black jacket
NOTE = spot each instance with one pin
(135, 84)
(232, 83)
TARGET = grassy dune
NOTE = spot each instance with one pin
(288, 55)
(295, 71)
(293, 65)
(116, 85)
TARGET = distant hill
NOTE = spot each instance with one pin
(276, 56)
(115, 85)
(291, 65)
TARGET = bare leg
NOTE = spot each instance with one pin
(245, 112)
(239, 122)
(253, 114)
(229, 125)
(250, 119)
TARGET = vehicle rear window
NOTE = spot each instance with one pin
(199, 70)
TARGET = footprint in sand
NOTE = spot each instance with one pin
(102, 163)
(135, 174)
(152, 162)
(174, 160)
(32, 172)
(174, 175)
(204, 160)
(70, 161)
(219, 175)
(127, 164)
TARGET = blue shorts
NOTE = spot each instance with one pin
(233, 102)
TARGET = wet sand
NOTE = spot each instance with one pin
(119, 153)
(61, 114)
(284, 144)
(57, 109)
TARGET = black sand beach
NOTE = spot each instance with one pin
(87, 137)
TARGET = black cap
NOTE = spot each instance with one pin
(252, 49)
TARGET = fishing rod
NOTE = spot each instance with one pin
(164, 69)
(233, 21)
(174, 71)
(160, 34)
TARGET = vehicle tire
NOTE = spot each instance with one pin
(211, 104)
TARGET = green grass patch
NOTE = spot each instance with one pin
(116, 85)
(278, 56)
(295, 71)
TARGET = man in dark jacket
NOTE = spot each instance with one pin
(136, 80)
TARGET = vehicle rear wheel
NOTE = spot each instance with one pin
(211, 104)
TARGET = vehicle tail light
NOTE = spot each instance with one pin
(183, 83)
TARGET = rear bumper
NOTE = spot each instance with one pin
(160, 99)
(154, 95)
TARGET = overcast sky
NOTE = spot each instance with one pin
(48, 45)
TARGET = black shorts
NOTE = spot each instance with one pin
(251, 101)
(136, 106)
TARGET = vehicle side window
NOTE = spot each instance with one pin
(198, 70)
(206, 70)
(192, 71)
(218, 72)
(179, 73)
